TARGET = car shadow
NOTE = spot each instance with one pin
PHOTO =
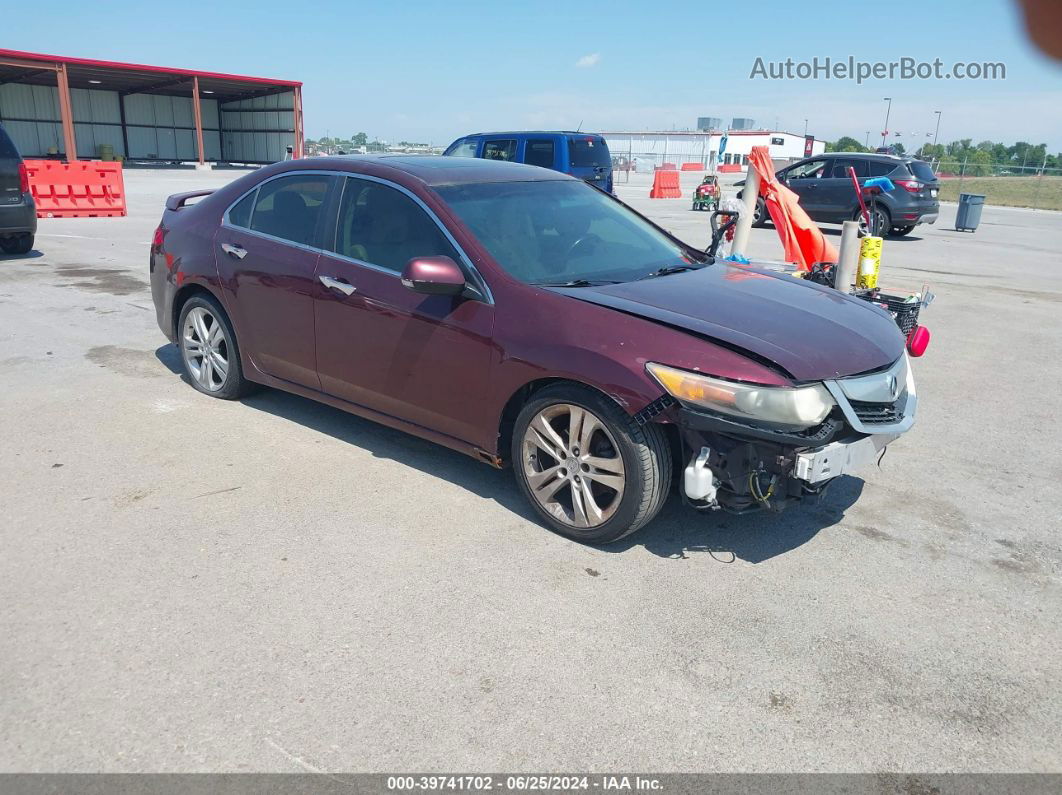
(898, 238)
(31, 254)
(677, 532)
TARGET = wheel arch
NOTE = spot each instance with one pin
(181, 297)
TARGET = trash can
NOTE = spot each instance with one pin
(969, 214)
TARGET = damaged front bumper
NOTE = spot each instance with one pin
(742, 467)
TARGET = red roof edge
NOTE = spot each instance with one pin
(135, 67)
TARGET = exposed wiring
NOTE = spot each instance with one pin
(757, 492)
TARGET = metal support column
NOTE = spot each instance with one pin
(66, 113)
(198, 112)
(297, 105)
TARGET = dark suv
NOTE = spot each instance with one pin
(18, 214)
(826, 192)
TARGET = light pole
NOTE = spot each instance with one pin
(805, 128)
(937, 131)
(888, 109)
(866, 143)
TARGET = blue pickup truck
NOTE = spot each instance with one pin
(583, 155)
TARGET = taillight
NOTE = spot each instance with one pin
(23, 178)
(909, 185)
(156, 241)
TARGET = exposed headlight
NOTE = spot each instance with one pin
(785, 408)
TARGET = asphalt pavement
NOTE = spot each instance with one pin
(188, 584)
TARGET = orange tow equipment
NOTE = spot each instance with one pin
(802, 239)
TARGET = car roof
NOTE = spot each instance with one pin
(437, 170)
(869, 155)
(533, 132)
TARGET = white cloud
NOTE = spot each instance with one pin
(588, 61)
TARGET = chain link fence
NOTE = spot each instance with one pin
(1014, 186)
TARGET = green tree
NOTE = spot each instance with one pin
(359, 139)
(845, 144)
(899, 148)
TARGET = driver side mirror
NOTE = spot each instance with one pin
(433, 276)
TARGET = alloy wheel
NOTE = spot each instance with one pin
(205, 348)
(573, 466)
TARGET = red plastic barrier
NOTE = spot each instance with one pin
(665, 185)
(83, 189)
(693, 167)
(730, 168)
(667, 167)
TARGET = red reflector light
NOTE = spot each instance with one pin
(910, 216)
(909, 185)
(918, 341)
(156, 241)
(23, 178)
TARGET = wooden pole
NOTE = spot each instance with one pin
(66, 113)
(197, 110)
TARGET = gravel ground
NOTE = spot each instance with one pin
(194, 585)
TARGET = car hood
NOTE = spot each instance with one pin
(809, 331)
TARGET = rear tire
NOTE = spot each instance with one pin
(607, 482)
(900, 231)
(22, 244)
(880, 222)
(210, 354)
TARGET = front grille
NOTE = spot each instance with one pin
(876, 413)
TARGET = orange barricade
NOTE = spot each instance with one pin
(730, 168)
(665, 185)
(666, 167)
(693, 167)
(83, 189)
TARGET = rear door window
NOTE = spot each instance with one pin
(466, 147)
(290, 207)
(539, 153)
(841, 166)
(880, 168)
(503, 149)
(588, 152)
(384, 227)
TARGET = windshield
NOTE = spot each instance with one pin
(588, 152)
(557, 232)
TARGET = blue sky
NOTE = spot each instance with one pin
(429, 71)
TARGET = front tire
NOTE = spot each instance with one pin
(209, 352)
(588, 469)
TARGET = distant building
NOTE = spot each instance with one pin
(706, 123)
(655, 148)
(742, 124)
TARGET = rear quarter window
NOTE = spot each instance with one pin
(922, 171)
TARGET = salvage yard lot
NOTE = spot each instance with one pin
(189, 585)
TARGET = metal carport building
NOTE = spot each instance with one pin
(53, 105)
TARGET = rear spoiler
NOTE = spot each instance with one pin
(178, 200)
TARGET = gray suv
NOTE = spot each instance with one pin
(827, 195)
(18, 214)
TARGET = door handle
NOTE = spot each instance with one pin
(344, 287)
(234, 250)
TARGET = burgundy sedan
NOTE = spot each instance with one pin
(524, 317)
